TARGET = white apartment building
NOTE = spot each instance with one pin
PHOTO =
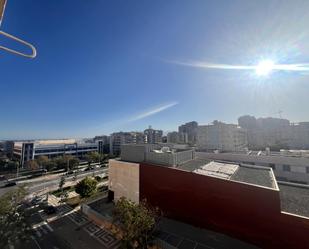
(222, 137)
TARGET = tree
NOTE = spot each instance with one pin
(42, 161)
(13, 225)
(32, 164)
(137, 222)
(86, 187)
(50, 165)
(60, 162)
(73, 163)
(93, 157)
(61, 183)
(66, 162)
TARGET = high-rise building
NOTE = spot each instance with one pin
(105, 143)
(221, 136)
(153, 136)
(276, 133)
(188, 132)
(119, 138)
(173, 137)
(299, 136)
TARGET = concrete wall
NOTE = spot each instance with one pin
(247, 212)
(124, 179)
(297, 164)
(133, 153)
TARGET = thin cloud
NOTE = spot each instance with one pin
(280, 67)
(153, 111)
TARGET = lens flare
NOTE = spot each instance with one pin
(264, 68)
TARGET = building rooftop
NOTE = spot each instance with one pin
(256, 175)
(282, 153)
(294, 198)
(179, 235)
(193, 164)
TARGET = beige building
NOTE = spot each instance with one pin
(124, 179)
(221, 136)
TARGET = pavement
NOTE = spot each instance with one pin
(67, 229)
(184, 236)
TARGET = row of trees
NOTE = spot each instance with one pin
(68, 162)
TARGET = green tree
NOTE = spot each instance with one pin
(93, 157)
(61, 183)
(60, 162)
(73, 163)
(13, 224)
(42, 161)
(137, 222)
(86, 187)
(68, 162)
(50, 165)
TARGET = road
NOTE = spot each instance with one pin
(46, 183)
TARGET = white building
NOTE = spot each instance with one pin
(29, 150)
(221, 136)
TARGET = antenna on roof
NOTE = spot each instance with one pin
(32, 55)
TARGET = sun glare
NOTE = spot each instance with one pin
(264, 67)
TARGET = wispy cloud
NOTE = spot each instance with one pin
(280, 67)
(153, 111)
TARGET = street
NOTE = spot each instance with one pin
(47, 183)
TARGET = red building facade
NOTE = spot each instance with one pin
(248, 212)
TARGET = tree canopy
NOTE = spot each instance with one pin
(86, 187)
(13, 225)
(93, 157)
(137, 222)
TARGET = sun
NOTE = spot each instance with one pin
(264, 67)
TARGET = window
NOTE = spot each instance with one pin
(272, 165)
(286, 167)
(307, 170)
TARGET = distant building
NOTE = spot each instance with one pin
(153, 136)
(29, 150)
(119, 138)
(105, 143)
(7, 148)
(173, 137)
(164, 139)
(276, 133)
(221, 136)
(188, 132)
(299, 136)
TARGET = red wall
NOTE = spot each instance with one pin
(248, 212)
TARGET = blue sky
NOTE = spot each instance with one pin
(105, 66)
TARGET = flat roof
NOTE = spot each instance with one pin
(294, 198)
(256, 175)
(181, 235)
